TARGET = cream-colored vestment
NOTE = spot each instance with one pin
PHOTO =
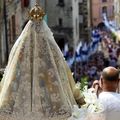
(37, 83)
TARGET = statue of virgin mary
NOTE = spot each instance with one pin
(37, 83)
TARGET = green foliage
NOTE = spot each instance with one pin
(113, 36)
(83, 83)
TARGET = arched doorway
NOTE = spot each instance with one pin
(61, 43)
(101, 25)
(61, 40)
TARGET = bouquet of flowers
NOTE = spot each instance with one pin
(92, 110)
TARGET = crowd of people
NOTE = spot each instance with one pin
(107, 54)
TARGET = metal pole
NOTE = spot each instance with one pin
(6, 36)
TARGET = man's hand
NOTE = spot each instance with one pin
(96, 86)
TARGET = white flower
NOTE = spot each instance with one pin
(92, 102)
(77, 85)
(90, 96)
(92, 105)
(79, 113)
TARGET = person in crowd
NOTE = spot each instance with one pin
(110, 99)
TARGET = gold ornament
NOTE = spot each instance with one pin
(36, 13)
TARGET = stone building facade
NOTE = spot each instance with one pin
(84, 18)
(98, 7)
(14, 17)
(62, 16)
(63, 19)
(117, 13)
(17, 16)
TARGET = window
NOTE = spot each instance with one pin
(13, 28)
(80, 9)
(9, 31)
(61, 3)
(104, 0)
(60, 22)
(25, 3)
(113, 9)
(104, 10)
(76, 25)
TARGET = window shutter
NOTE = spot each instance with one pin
(24, 3)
